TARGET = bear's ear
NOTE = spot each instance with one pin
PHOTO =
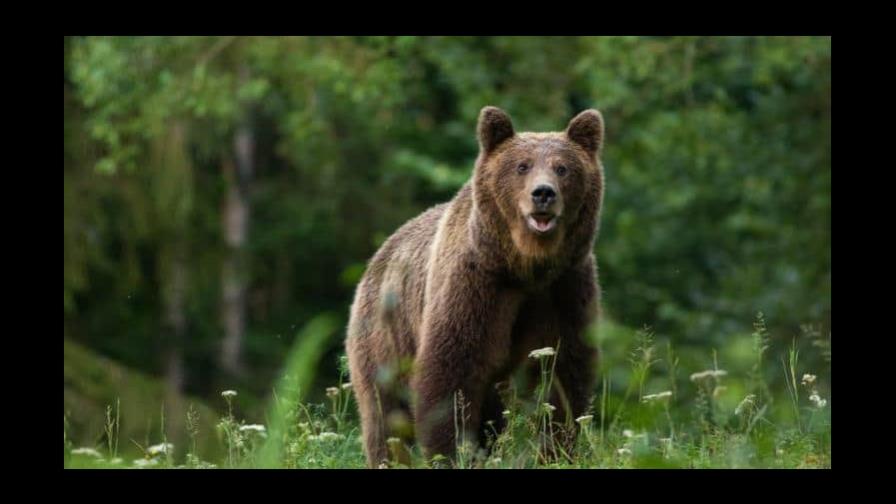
(587, 130)
(494, 127)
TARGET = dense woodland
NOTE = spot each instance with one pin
(222, 192)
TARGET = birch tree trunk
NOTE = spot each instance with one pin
(234, 275)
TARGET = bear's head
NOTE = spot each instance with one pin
(546, 188)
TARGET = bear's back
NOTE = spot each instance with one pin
(390, 295)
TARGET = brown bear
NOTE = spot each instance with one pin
(455, 300)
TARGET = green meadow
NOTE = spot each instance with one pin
(222, 196)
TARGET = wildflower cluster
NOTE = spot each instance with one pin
(816, 399)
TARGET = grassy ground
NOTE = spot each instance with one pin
(654, 407)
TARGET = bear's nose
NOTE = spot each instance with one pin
(544, 195)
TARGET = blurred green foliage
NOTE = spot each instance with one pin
(93, 383)
(717, 159)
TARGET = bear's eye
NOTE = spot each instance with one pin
(561, 170)
(522, 168)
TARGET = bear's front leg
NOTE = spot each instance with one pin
(449, 404)
(575, 297)
(466, 338)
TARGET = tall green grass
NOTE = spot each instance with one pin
(735, 407)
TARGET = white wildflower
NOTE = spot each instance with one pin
(160, 449)
(330, 436)
(817, 400)
(146, 462)
(541, 353)
(628, 433)
(346, 385)
(116, 460)
(584, 420)
(228, 393)
(548, 407)
(255, 429)
(506, 413)
(808, 379)
(89, 452)
(332, 392)
(709, 373)
(656, 397)
(624, 451)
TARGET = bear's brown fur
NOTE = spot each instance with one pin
(454, 301)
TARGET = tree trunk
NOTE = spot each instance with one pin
(175, 327)
(174, 195)
(236, 228)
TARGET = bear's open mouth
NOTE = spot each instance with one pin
(541, 222)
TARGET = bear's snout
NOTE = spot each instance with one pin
(544, 196)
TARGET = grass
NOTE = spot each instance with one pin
(111, 406)
(742, 409)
